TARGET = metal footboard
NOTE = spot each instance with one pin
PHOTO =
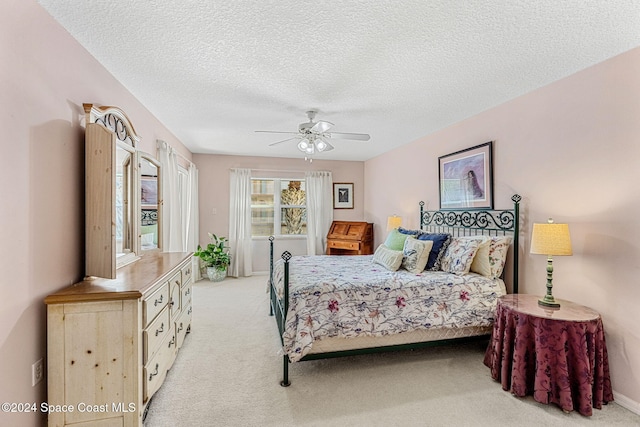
(280, 306)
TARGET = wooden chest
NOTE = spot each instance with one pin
(350, 238)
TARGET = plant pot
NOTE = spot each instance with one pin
(216, 275)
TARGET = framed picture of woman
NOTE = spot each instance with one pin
(466, 178)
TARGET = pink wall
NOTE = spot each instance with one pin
(45, 76)
(213, 185)
(571, 149)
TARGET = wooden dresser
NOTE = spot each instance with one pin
(111, 341)
(350, 238)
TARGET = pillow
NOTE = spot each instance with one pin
(150, 229)
(459, 255)
(395, 240)
(409, 232)
(440, 243)
(147, 239)
(498, 254)
(480, 263)
(388, 258)
(416, 254)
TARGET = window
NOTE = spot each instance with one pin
(278, 201)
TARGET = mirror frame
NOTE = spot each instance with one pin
(106, 129)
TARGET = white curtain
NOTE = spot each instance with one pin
(192, 217)
(319, 210)
(240, 223)
(172, 224)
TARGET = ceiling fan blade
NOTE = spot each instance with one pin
(275, 131)
(321, 127)
(354, 136)
(284, 140)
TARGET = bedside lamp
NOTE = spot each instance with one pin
(550, 239)
(393, 222)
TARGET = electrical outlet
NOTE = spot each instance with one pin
(37, 372)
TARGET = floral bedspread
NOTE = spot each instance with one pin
(347, 296)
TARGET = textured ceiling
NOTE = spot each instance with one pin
(215, 71)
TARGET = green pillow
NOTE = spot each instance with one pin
(395, 240)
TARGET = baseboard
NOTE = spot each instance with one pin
(626, 403)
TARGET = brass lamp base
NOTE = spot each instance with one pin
(548, 301)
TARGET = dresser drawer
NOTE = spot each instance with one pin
(182, 325)
(155, 333)
(171, 349)
(174, 301)
(186, 296)
(186, 273)
(154, 303)
(154, 373)
(342, 244)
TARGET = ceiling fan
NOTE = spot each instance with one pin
(314, 136)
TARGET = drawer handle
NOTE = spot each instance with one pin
(161, 329)
(153, 374)
(158, 301)
(189, 311)
(180, 327)
(187, 271)
(172, 303)
(172, 342)
(187, 292)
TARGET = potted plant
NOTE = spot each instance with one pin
(215, 257)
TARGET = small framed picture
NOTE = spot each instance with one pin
(343, 195)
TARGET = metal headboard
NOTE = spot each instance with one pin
(477, 222)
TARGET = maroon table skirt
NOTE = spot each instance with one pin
(556, 360)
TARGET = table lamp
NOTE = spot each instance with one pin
(550, 239)
(393, 222)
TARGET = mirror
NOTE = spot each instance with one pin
(150, 199)
(123, 205)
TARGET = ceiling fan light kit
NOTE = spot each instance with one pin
(313, 136)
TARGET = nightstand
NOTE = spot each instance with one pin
(555, 355)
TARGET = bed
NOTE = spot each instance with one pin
(332, 306)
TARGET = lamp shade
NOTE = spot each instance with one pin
(393, 222)
(551, 239)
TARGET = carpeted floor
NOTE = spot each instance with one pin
(228, 372)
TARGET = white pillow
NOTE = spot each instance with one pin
(491, 256)
(459, 255)
(388, 258)
(498, 254)
(147, 239)
(416, 254)
(481, 264)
